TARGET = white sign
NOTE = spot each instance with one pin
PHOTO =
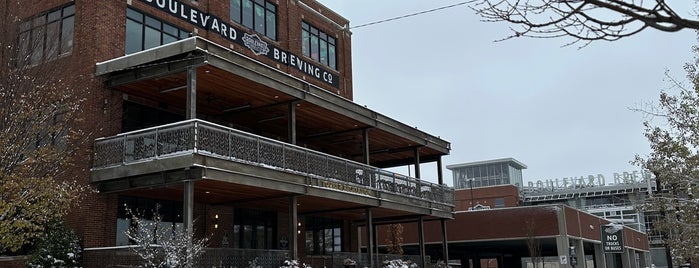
(564, 259)
(599, 180)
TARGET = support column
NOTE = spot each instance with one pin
(188, 198)
(600, 260)
(191, 109)
(626, 258)
(365, 145)
(293, 228)
(643, 260)
(417, 162)
(440, 176)
(562, 241)
(445, 243)
(421, 240)
(292, 123)
(580, 252)
(188, 206)
(369, 237)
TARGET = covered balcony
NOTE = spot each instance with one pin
(241, 132)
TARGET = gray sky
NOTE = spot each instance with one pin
(560, 110)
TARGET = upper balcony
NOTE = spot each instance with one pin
(308, 141)
(196, 145)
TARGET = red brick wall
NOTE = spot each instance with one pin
(100, 35)
(486, 196)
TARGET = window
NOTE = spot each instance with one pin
(323, 236)
(259, 15)
(318, 45)
(47, 36)
(254, 229)
(144, 32)
(170, 211)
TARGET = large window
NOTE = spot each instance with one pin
(47, 36)
(323, 236)
(259, 15)
(318, 45)
(144, 32)
(254, 229)
(170, 211)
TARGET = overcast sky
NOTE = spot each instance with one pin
(562, 111)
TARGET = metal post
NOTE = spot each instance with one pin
(417, 163)
(365, 145)
(421, 240)
(440, 176)
(292, 123)
(191, 92)
(369, 236)
(293, 227)
(188, 209)
(445, 243)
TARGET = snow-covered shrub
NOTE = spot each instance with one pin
(162, 246)
(59, 247)
(398, 263)
(294, 264)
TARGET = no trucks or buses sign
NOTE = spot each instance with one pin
(612, 238)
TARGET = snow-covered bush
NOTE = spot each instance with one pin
(59, 247)
(162, 246)
(398, 263)
(294, 264)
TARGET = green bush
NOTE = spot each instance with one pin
(59, 247)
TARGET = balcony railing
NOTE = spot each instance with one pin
(204, 138)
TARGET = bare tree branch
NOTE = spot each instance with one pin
(583, 20)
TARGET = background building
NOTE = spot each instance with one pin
(613, 198)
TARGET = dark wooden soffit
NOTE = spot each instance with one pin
(242, 92)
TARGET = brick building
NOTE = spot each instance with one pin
(236, 117)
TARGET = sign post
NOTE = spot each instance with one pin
(612, 238)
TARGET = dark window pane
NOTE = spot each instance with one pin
(314, 47)
(69, 10)
(271, 25)
(247, 13)
(169, 29)
(54, 16)
(53, 31)
(37, 44)
(153, 23)
(134, 15)
(323, 52)
(168, 39)
(332, 58)
(67, 29)
(305, 40)
(152, 38)
(235, 10)
(259, 19)
(134, 36)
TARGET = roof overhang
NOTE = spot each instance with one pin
(240, 90)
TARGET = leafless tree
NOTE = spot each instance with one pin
(39, 107)
(533, 244)
(584, 20)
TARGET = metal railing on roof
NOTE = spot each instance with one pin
(205, 138)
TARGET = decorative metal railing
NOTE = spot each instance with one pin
(201, 137)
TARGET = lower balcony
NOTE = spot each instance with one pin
(203, 151)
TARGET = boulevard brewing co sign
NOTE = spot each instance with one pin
(612, 238)
(258, 46)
